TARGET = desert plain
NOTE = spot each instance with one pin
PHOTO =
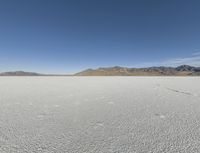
(99, 114)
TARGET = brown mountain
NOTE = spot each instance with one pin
(183, 70)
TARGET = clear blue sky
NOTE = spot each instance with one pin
(66, 36)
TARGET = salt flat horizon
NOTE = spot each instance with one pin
(99, 114)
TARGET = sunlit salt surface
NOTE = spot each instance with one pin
(99, 114)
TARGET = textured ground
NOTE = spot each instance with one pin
(100, 114)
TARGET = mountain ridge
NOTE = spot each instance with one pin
(182, 70)
(19, 73)
(25, 73)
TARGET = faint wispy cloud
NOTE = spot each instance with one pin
(196, 53)
(193, 60)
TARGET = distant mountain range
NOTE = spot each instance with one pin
(183, 70)
(23, 73)
(20, 73)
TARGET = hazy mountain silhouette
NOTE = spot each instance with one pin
(19, 73)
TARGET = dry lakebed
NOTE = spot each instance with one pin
(99, 114)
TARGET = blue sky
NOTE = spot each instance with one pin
(66, 36)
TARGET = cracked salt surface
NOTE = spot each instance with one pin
(99, 114)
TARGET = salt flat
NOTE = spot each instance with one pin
(99, 114)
